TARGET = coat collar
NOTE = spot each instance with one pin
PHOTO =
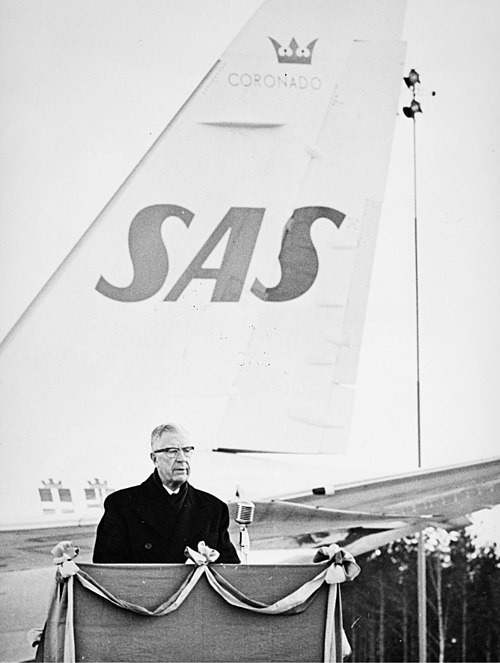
(158, 483)
(153, 506)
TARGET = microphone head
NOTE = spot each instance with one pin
(244, 513)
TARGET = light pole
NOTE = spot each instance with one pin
(410, 111)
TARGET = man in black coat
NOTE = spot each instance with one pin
(154, 522)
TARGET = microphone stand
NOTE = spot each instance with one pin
(244, 516)
(244, 543)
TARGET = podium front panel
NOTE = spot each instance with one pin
(205, 627)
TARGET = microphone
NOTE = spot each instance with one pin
(244, 513)
(244, 517)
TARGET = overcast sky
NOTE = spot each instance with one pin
(88, 85)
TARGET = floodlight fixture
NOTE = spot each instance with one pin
(412, 79)
(413, 108)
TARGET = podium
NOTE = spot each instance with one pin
(207, 613)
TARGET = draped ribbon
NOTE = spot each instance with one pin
(340, 566)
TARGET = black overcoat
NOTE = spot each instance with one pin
(139, 526)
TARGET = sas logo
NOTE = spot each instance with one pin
(297, 257)
(293, 53)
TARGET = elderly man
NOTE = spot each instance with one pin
(154, 522)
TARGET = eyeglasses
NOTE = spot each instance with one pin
(172, 452)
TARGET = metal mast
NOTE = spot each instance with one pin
(410, 111)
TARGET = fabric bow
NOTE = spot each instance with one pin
(64, 552)
(343, 566)
(205, 554)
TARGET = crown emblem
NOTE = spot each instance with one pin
(293, 53)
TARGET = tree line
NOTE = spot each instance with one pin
(463, 601)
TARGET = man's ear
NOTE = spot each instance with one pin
(153, 457)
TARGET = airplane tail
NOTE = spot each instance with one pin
(224, 286)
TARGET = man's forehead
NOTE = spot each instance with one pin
(174, 439)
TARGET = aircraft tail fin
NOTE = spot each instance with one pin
(225, 283)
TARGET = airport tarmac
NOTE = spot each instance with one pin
(26, 580)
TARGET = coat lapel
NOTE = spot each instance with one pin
(154, 509)
(175, 529)
(190, 524)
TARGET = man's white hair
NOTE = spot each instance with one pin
(167, 428)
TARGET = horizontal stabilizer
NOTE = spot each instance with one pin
(282, 519)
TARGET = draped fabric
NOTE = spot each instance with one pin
(58, 641)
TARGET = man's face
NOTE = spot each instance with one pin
(173, 471)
